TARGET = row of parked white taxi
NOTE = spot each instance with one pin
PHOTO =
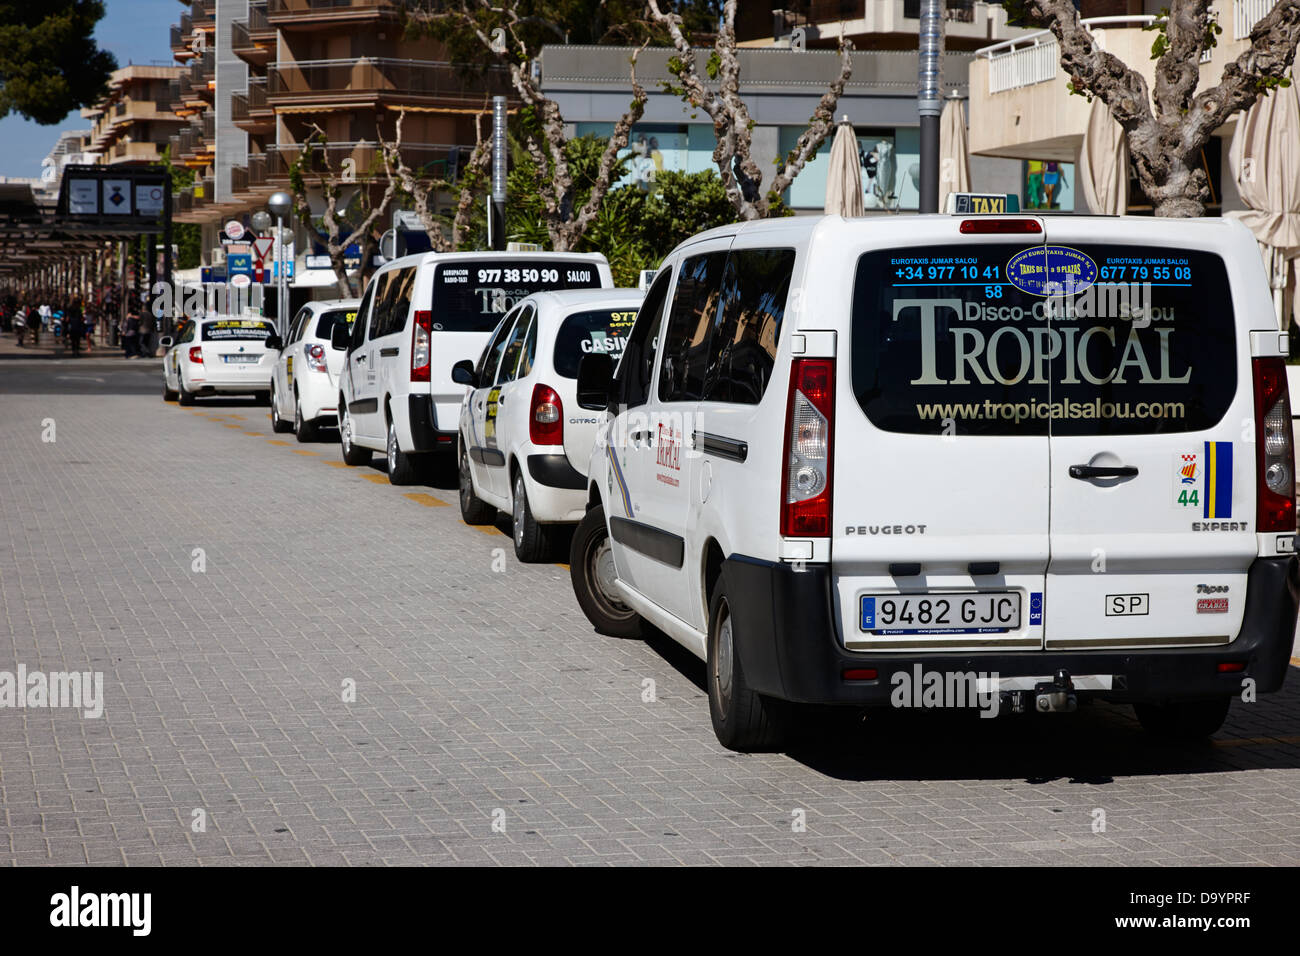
(827, 454)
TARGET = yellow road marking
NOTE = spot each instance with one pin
(429, 501)
(1296, 661)
(561, 564)
(228, 425)
(337, 464)
(377, 479)
(255, 434)
(238, 418)
(300, 451)
(276, 441)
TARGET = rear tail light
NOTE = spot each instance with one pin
(196, 355)
(546, 423)
(1231, 667)
(316, 357)
(859, 673)
(1274, 453)
(806, 478)
(975, 227)
(420, 353)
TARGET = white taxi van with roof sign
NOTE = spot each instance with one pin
(220, 354)
(419, 315)
(304, 385)
(1017, 461)
(524, 443)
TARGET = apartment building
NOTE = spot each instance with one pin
(1021, 108)
(134, 122)
(266, 76)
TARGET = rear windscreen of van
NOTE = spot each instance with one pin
(1017, 339)
(472, 296)
(600, 331)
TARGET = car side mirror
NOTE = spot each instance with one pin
(595, 381)
(339, 337)
(166, 341)
(274, 342)
(462, 373)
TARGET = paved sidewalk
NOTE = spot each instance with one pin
(489, 724)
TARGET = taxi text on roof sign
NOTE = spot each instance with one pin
(982, 203)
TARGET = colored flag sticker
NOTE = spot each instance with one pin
(1216, 495)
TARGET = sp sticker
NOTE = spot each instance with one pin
(1068, 271)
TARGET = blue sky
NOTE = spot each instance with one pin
(134, 31)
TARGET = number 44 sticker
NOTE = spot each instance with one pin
(1187, 480)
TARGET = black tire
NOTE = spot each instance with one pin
(168, 394)
(591, 570)
(352, 454)
(1184, 720)
(743, 719)
(303, 430)
(473, 510)
(184, 396)
(401, 469)
(532, 539)
(278, 424)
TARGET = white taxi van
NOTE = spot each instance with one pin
(1049, 460)
(419, 315)
(218, 355)
(304, 385)
(524, 443)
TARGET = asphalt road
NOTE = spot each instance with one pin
(322, 668)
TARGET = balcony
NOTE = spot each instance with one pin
(955, 11)
(249, 111)
(1020, 106)
(202, 74)
(368, 80)
(204, 14)
(127, 152)
(313, 14)
(891, 24)
(431, 158)
(253, 40)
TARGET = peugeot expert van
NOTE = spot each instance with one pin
(420, 315)
(1015, 462)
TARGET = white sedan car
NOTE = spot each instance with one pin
(218, 355)
(524, 442)
(304, 385)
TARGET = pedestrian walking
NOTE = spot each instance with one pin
(131, 335)
(148, 326)
(75, 324)
(20, 325)
(43, 313)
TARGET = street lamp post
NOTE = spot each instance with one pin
(280, 205)
(929, 99)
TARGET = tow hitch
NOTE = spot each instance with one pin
(1057, 695)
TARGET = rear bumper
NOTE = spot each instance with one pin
(423, 422)
(789, 647)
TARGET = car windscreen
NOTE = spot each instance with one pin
(594, 332)
(1021, 339)
(472, 296)
(325, 324)
(237, 330)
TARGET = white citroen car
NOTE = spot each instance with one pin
(304, 384)
(221, 354)
(524, 443)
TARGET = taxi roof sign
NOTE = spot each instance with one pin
(977, 204)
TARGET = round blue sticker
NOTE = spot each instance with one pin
(1070, 271)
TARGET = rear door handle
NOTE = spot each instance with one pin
(1084, 472)
(639, 436)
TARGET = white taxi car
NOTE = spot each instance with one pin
(523, 442)
(220, 354)
(304, 385)
(1020, 460)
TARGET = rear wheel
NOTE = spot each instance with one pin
(184, 396)
(304, 430)
(352, 454)
(1183, 720)
(472, 509)
(278, 424)
(401, 469)
(168, 394)
(532, 539)
(592, 572)
(743, 719)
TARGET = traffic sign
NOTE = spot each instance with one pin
(262, 248)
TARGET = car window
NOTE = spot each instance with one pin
(359, 326)
(298, 325)
(593, 332)
(325, 324)
(742, 345)
(690, 321)
(636, 368)
(401, 289)
(187, 333)
(515, 345)
(529, 356)
(381, 316)
(491, 358)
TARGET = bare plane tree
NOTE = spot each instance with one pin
(423, 191)
(732, 124)
(498, 28)
(1167, 131)
(332, 185)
